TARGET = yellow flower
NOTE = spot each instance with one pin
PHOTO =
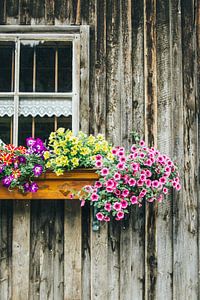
(100, 137)
(60, 130)
(57, 151)
(52, 135)
(48, 164)
(110, 156)
(75, 161)
(46, 154)
(73, 152)
(59, 172)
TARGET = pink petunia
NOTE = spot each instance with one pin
(94, 197)
(165, 190)
(120, 166)
(143, 177)
(132, 182)
(100, 216)
(178, 187)
(117, 176)
(98, 164)
(108, 206)
(82, 203)
(98, 184)
(134, 200)
(163, 180)
(98, 157)
(114, 151)
(122, 159)
(125, 193)
(148, 183)
(124, 203)
(120, 215)
(142, 143)
(110, 183)
(107, 219)
(140, 182)
(104, 171)
(117, 206)
(155, 184)
(148, 173)
(133, 148)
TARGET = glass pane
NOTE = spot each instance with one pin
(25, 129)
(45, 68)
(65, 68)
(65, 122)
(43, 127)
(5, 129)
(6, 53)
(26, 68)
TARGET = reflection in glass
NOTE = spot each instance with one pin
(26, 68)
(5, 129)
(6, 67)
(65, 122)
(43, 127)
(45, 69)
(25, 129)
(65, 68)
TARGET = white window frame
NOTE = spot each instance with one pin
(44, 33)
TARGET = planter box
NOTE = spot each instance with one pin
(54, 187)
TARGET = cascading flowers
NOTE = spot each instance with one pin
(143, 174)
(67, 151)
(19, 166)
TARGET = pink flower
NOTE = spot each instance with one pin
(122, 159)
(133, 148)
(98, 164)
(142, 143)
(168, 169)
(148, 173)
(117, 176)
(163, 180)
(94, 197)
(140, 182)
(135, 167)
(100, 216)
(110, 183)
(165, 190)
(120, 166)
(170, 163)
(98, 184)
(82, 203)
(109, 189)
(148, 162)
(104, 171)
(107, 206)
(88, 188)
(98, 157)
(120, 215)
(142, 155)
(117, 193)
(160, 159)
(155, 184)
(148, 182)
(107, 219)
(151, 199)
(124, 203)
(132, 182)
(131, 156)
(178, 187)
(134, 200)
(142, 177)
(121, 153)
(114, 151)
(125, 193)
(117, 206)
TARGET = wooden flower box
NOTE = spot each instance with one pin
(54, 187)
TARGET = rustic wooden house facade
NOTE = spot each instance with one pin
(138, 65)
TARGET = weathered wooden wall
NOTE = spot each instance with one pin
(144, 75)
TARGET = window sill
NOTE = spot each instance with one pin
(54, 187)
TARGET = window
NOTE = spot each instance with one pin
(39, 83)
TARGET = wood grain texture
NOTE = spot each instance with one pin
(150, 76)
(5, 249)
(164, 134)
(185, 231)
(72, 251)
(20, 250)
(3, 12)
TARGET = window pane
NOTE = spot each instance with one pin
(26, 68)
(25, 129)
(65, 122)
(43, 127)
(6, 52)
(5, 129)
(45, 68)
(65, 68)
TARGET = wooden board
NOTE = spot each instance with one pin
(54, 187)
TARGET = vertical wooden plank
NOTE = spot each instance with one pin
(20, 250)
(37, 11)
(12, 8)
(72, 251)
(5, 249)
(164, 220)
(49, 12)
(185, 223)
(84, 78)
(47, 250)
(99, 273)
(86, 253)
(113, 102)
(67, 12)
(138, 216)
(125, 15)
(151, 138)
